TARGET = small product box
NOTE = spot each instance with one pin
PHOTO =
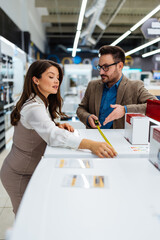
(153, 109)
(154, 154)
(136, 128)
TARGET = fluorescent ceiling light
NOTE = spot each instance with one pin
(76, 43)
(121, 38)
(145, 18)
(151, 53)
(142, 46)
(136, 25)
(79, 26)
(81, 15)
(71, 49)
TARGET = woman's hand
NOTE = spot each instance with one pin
(66, 126)
(101, 149)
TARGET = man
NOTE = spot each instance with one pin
(108, 99)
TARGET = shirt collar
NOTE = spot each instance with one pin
(36, 98)
(117, 83)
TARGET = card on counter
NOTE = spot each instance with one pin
(85, 181)
(74, 163)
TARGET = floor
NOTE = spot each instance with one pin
(6, 213)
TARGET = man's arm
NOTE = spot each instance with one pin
(83, 109)
(142, 95)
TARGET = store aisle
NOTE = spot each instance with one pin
(6, 213)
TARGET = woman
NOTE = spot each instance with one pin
(34, 127)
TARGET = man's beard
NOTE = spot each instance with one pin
(111, 79)
(107, 79)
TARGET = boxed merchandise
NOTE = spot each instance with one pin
(136, 128)
(154, 155)
(153, 109)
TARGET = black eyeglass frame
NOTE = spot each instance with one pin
(106, 66)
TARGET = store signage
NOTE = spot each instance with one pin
(157, 58)
(151, 28)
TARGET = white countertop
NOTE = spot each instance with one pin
(116, 138)
(126, 209)
(153, 86)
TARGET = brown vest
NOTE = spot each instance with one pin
(27, 149)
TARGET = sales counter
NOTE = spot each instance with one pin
(63, 201)
(115, 137)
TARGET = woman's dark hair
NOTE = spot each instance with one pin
(30, 89)
(117, 53)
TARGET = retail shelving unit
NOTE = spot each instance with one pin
(12, 65)
(2, 128)
(6, 87)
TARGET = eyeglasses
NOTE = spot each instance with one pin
(105, 67)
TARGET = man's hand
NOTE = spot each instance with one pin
(118, 112)
(91, 120)
(66, 126)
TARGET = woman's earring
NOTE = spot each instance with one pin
(35, 80)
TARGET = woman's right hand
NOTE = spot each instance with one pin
(101, 149)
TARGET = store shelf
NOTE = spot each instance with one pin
(8, 105)
(2, 130)
(7, 80)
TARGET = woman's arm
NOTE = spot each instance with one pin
(36, 117)
(101, 149)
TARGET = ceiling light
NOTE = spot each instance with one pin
(151, 53)
(81, 15)
(121, 38)
(79, 26)
(142, 46)
(145, 18)
(76, 43)
(71, 49)
(136, 25)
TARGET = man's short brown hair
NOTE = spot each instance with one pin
(117, 53)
